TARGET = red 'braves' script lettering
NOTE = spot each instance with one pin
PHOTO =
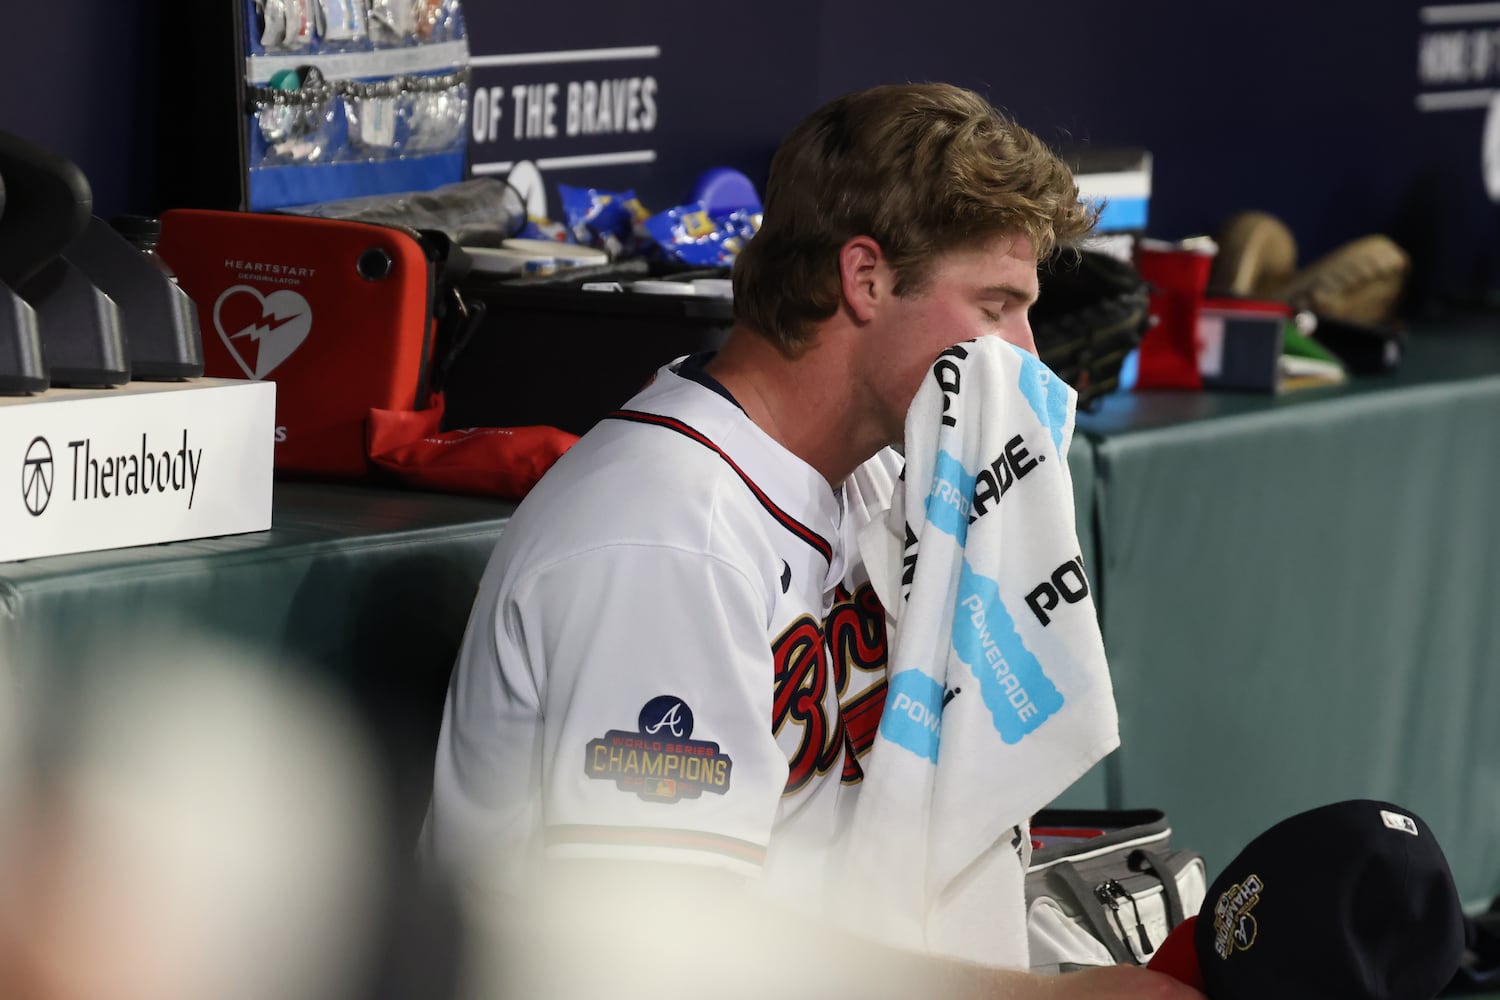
(807, 657)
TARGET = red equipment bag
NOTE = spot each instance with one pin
(410, 448)
(340, 315)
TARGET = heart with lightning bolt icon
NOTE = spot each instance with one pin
(261, 331)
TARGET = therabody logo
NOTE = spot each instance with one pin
(37, 473)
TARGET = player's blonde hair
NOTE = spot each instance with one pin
(921, 169)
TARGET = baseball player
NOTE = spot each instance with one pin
(675, 660)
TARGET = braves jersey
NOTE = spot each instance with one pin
(670, 656)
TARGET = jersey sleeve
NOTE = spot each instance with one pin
(655, 706)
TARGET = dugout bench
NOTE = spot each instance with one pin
(1298, 598)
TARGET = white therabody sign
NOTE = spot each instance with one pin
(146, 462)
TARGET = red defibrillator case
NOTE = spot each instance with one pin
(338, 314)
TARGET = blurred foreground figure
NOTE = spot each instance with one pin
(195, 826)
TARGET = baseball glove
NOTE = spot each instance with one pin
(1359, 282)
(1256, 254)
(1092, 312)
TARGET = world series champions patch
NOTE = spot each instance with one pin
(1234, 923)
(659, 761)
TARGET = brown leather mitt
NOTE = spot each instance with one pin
(1360, 282)
(1256, 254)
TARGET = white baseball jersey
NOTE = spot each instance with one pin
(668, 658)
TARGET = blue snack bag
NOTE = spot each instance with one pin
(689, 234)
(606, 219)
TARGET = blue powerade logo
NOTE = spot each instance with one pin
(1012, 684)
(913, 716)
(1047, 394)
(951, 497)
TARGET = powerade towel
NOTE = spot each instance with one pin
(999, 695)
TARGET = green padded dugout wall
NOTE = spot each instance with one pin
(367, 589)
(1301, 600)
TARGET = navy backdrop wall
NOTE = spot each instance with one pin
(1343, 117)
(80, 77)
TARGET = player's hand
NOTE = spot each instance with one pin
(1118, 982)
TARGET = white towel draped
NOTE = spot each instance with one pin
(999, 692)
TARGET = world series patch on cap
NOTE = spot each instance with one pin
(1352, 900)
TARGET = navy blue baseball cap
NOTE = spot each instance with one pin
(1349, 901)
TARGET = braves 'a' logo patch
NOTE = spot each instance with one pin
(658, 761)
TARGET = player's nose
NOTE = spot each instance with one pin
(1019, 333)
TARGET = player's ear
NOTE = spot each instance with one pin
(863, 273)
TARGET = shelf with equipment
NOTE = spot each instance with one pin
(344, 98)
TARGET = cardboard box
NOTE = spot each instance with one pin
(1118, 179)
(1255, 345)
(1239, 344)
(146, 462)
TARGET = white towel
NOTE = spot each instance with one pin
(999, 691)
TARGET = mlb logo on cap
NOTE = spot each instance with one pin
(1352, 900)
(1396, 821)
